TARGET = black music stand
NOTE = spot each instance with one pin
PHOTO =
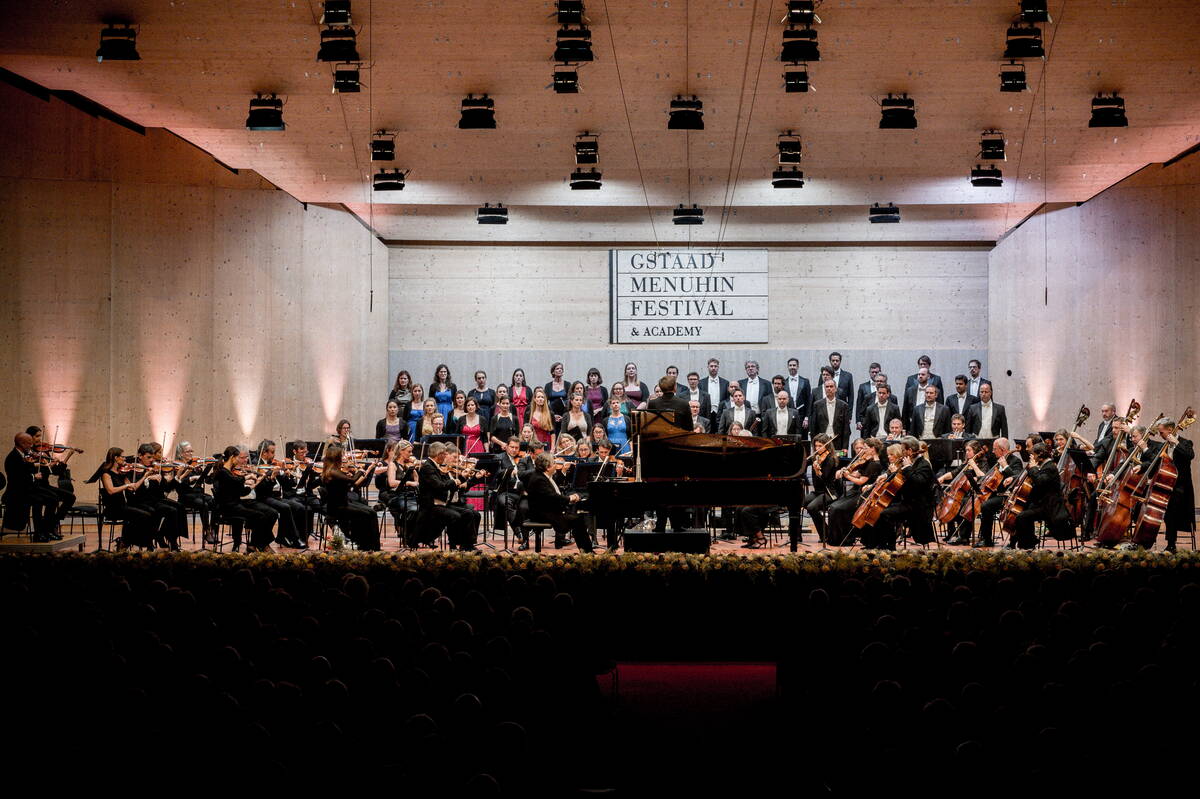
(942, 451)
(1082, 460)
(375, 446)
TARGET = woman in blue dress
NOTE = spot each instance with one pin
(416, 410)
(442, 389)
(616, 426)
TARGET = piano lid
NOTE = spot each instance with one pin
(668, 452)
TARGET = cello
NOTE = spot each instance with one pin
(1117, 496)
(882, 493)
(1074, 484)
(955, 496)
(1154, 490)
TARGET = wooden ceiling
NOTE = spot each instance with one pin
(202, 61)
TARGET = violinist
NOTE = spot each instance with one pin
(827, 487)
(299, 482)
(189, 487)
(958, 531)
(914, 504)
(1009, 465)
(1045, 502)
(869, 454)
(233, 482)
(168, 516)
(1180, 512)
(342, 435)
(610, 465)
(28, 493)
(269, 491)
(117, 478)
(958, 429)
(392, 427)
(55, 458)
(503, 425)
(438, 483)
(583, 451)
(398, 483)
(507, 497)
(356, 519)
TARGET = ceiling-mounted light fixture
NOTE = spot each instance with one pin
(790, 178)
(1035, 11)
(884, 213)
(118, 42)
(336, 12)
(569, 12)
(991, 146)
(338, 43)
(266, 113)
(573, 45)
(389, 180)
(566, 81)
(1108, 112)
(345, 79)
(1012, 77)
(1024, 41)
(986, 177)
(383, 146)
(492, 214)
(799, 46)
(801, 12)
(899, 113)
(789, 148)
(688, 216)
(478, 113)
(795, 81)
(587, 148)
(686, 114)
(585, 180)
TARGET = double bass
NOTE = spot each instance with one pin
(1154, 490)
(1074, 484)
(1115, 502)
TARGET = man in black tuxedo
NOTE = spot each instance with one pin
(914, 393)
(693, 391)
(755, 388)
(800, 391)
(961, 399)
(28, 493)
(437, 508)
(782, 420)
(548, 504)
(914, 504)
(976, 380)
(669, 402)
(699, 420)
(930, 419)
(831, 415)
(738, 411)
(842, 379)
(717, 389)
(986, 419)
(507, 499)
(925, 362)
(866, 395)
(882, 410)
(1108, 412)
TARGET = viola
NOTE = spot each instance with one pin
(885, 490)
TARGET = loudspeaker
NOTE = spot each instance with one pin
(693, 541)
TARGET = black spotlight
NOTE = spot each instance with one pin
(118, 43)
(688, 216)
(1035, 11)
(574, 45)
(789, 148)
(478, 113)
(801, 12)
(337, 12)
(986, 176)
(1024, 41)
(799, 46)
(991, 146)
(791, 178)
(345, 79)
(885, 213)
(1012, 77)
(686, 114)
(570, 12)
(796, 81)
(383, 146)
(1108, 112)
(389, 180)
(266, 113)
(492, 214)
(588, 180)
(899, 113)
(587, 148)
(566, 82)
(338, 43)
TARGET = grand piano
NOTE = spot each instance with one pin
(682, 469)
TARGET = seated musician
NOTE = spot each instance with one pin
(300, 483)
(1180, 511)
(699, 420)
(611, 466)
(958, 531)
(1045, 502)
(270, 492)
(1010, 465)
(839, 531)
(914, 504)
(958, 429)
(189, 487)
(826, 487)
(54, 464)
(397, 484)
(438, 512)
(117, 479)
(169, 517)
(1064, 438)
(508, 489)
(583, 451)
(895, 431)
(876, 536)
(232, 483)
(355, 518)
(28, 492)
(547, 503)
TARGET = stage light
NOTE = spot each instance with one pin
(338, 43)
(587, 148)
(789, 148)
(118, 43)
(383, 146)
(478, 113)
(791, 178)
(799, 46)
(686, 114)
(795, 81)
(1035, 11)
(885, 213)
(899, 113)
(688, 216)
(492, 214)
(266, 113)
(569, 12)
(345, 79)
(1012, 77)
(1108, 112)
(1024, 41)
(574, 45)
(566, 82)
(389, 180)
(801, 12)
(991, 146)
(337, 12)
(588, 180)
(986, 176)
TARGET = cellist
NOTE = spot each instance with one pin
(1045, 502)
(1010, 465)
(838, 529)
(1180, 513)
(914, 504)
(958, 530)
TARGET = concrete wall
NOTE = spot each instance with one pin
(149, 290)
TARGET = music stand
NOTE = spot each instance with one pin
(584, 472)
(375, 446)
(1082, 460)
(456, 439)
(942, 450)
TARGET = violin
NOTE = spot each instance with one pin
(44, 447)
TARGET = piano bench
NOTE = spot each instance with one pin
(536, 528)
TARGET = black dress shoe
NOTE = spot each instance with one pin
(524, 546)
